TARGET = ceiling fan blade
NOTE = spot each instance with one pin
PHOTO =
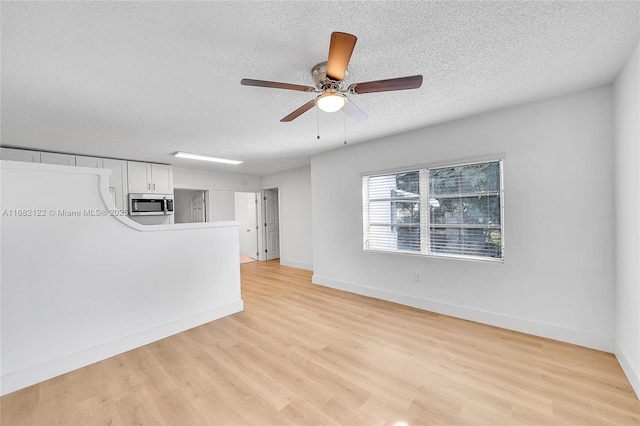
(276, 85)
(340, 50)
(353, 112)
(295, 114)
(402, 83)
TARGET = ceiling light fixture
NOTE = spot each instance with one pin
(181, 154)
(331, 101)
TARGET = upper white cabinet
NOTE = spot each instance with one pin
(19, 155)
(139, 177)
(95, 162)
(162, 176)
(55, 158)
(150, 178)
(118, 182)
(126, 176)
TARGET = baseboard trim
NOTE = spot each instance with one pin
(633, 376)
(298, 265)
(21, 379)
(551, 331)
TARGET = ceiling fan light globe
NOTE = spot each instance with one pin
(331, 102)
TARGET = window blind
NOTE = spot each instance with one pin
(393, 221)
(465, 210)
(451, 211)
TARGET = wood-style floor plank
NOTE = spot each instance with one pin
(302, 354)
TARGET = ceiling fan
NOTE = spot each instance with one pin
(329, 76)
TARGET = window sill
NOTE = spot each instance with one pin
(441, 256)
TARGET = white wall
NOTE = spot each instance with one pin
(558, 276)
(294, 187)
(222, 205)
(194, 179)
(627, 186)
(79, 289)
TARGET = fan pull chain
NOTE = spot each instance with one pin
(318, 120)
(344, 123)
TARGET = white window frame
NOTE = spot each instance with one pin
(425, 231)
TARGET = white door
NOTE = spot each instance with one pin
(271, 225)
(252, 207)
(197, 208)
(246, 213)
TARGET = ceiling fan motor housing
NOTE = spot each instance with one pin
(319, 74)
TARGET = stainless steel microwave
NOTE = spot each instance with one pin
(150, 204)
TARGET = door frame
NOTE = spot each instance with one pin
(257, 195)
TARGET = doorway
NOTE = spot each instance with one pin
(259, 218)
(246, 213)
(190, 205)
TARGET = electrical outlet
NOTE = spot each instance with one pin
(416, 276)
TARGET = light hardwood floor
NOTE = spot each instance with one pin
(305, 354)
(246, 259)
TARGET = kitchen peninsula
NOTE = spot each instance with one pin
(82, 287)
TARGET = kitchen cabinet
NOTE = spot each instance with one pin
(162, 178)
(56, 158)
(147, 178)
(83, 161)
(139, 177)
(118, 182)
(14, 154)
(126, 176)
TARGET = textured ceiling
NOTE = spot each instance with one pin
(141, 80)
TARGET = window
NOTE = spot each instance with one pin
(393, 212)
(453, 211)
